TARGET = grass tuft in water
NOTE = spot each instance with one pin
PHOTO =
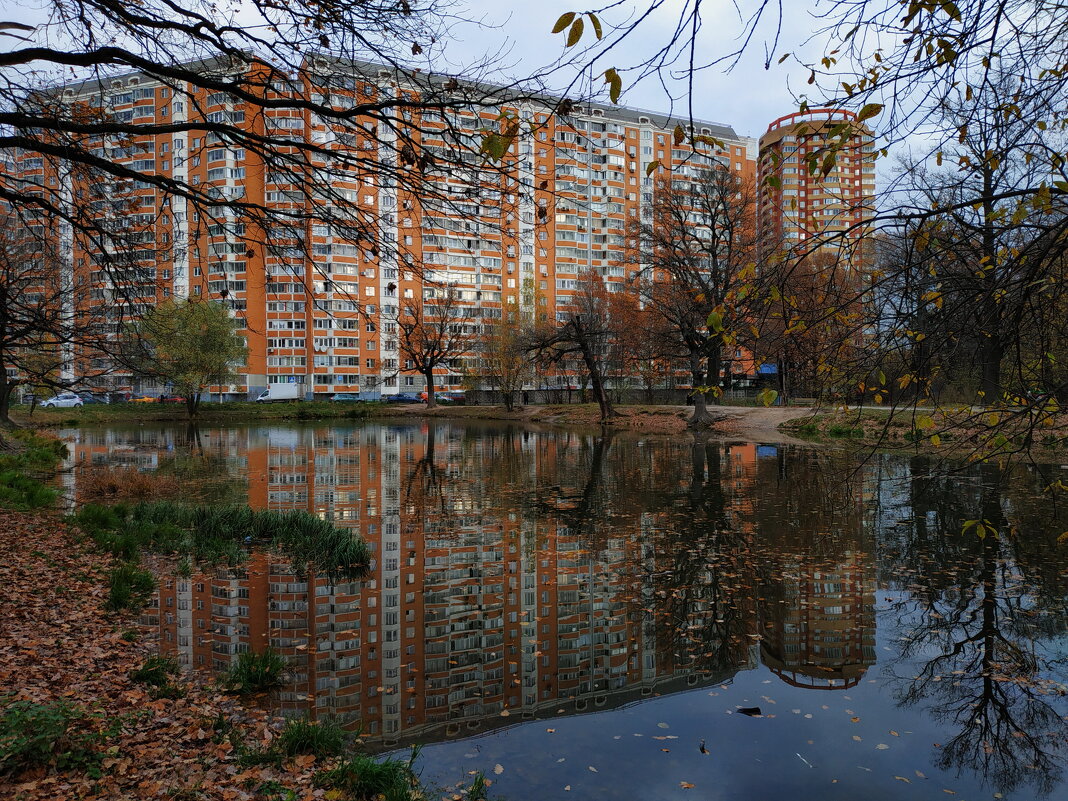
(223, 534)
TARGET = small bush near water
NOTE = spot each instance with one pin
(323, 739)
(129, 587)
(363, 778)
(253, 673)
(30, 457)
(111, 484)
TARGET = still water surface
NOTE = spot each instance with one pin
(625, 617)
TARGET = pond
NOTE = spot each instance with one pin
(622, 616)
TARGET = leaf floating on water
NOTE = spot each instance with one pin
(498, 768)
(686, 785)
(551, 731)
(881, 747)
(567, 787)
(855, 719)
(920, 775)
(662, 726)
(855, 737)
(592, 768)
(894, 733)
(903, 779)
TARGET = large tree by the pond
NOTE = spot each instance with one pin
(190, 345)
(695, 265)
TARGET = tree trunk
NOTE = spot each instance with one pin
(715, 363)
(192, 405)
(701, 418)
(991, 355)
(599, 392)
(509, 400)
(431, 403)
(6, 390)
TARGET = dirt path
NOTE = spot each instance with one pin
(759, 424)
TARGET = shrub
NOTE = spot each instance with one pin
(156, 671)
(129, 587)
(125, 483)
(845, 431)
(19, 491)
(323, 739)
(362, 778)
(253, 673)
(57, 734)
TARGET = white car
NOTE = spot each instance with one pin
(64, 400)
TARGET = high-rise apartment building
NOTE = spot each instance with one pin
(318, 309)
(801, 207)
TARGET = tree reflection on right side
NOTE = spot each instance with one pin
(976, 621)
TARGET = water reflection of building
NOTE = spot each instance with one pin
(817, 601)
(476, 613)
(514, 574)
(821, 625)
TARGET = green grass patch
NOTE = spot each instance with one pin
(231, 411)
(253, 673)
(57, 735)
(32, 457)
(157, 672)
(19, 491)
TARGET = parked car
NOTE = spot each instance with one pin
(92, 397)
(402, 397)
(143, 399)
(64, 400)
(171, 399)
(345, 397)
(446, 396)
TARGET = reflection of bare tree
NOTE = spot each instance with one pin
(703, 573)
(985, 677)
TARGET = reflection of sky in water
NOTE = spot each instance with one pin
(527, 581)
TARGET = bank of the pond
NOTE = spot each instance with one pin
(967, 433)
(752, 423)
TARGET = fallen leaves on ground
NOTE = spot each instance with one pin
(59, 645)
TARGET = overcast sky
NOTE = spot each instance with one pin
(747, 98)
